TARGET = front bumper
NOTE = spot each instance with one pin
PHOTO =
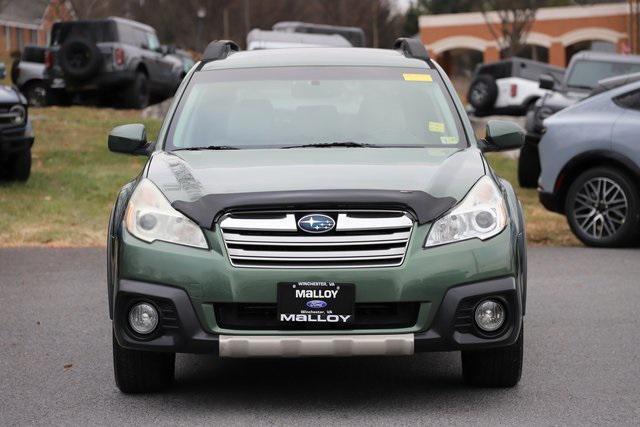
(451, 329)
(13, 140)
(551, 201)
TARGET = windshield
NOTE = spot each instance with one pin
(291, 106)
(586, 74)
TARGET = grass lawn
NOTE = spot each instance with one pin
(75, 179)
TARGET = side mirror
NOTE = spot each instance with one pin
(168, 49)
(502, 136)
(129, 139)
(547, 82)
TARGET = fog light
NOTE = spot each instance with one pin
(143, 318)
(490, 315)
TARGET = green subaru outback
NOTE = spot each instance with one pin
(316, 202)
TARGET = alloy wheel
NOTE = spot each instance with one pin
(600, 207)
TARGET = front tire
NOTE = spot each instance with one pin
(19, 166)
(603, 208)
(142, 371)
(495, 367)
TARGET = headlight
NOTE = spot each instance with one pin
(481, 214)
(18, 114)
(150, 217)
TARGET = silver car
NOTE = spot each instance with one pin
(27, 73)
(590, 160)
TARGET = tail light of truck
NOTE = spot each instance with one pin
(118, 56)
(48, 59)
(514, 90)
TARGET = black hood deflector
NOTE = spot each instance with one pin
(206, 210)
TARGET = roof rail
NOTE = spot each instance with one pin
(219, 49)
(412, 48)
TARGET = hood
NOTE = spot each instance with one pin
(205, 184)
(561, 100)
(190, 175)
(8, 95)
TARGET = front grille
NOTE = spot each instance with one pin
(245, 316)
(359, 239)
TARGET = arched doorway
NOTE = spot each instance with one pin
(459, 65)
(598, 45)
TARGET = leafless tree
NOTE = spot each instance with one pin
(514, 20)
(177, 22)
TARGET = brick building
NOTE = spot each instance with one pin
(555, 36)
(24, 22)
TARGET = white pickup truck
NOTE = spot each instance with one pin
(508, 87)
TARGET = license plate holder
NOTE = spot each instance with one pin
(320, 303)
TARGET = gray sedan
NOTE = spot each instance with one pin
(590, 160)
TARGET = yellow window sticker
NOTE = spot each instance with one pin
(449, 140)
(436, 127)
(417, 77)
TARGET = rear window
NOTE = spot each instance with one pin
(33, 54)
(498, 70)
(94, 31)
(585, 74)
(287, 106)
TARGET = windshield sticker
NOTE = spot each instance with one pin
(436, 127)
(449, 140)
(417, 77)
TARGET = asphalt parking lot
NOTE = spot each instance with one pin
(582, 358)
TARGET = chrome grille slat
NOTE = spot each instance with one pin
(242, 253)
(360, 239)
(235, 238)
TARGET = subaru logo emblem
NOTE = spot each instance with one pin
(316, 223)
(316, 303)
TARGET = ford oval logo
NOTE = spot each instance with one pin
(316, 223)
(316, 303)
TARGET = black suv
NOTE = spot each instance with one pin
(16, 134)
(96, 56)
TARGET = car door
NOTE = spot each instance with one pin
(162, 67)
(627, 127)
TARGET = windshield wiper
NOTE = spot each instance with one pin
(210, 147)
(334, 144)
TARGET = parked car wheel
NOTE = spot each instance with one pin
(495, 367)
(483, 92)
(36, 93)
(529, 166)
(603, 208)
(142, 371)
(137, 94)
(19, 166)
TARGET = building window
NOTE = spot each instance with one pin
(7, 39)
(33, 37)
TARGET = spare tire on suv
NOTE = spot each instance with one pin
(79, 59)
(483, 92)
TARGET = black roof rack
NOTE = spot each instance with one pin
(218, 49)
(412, 48)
